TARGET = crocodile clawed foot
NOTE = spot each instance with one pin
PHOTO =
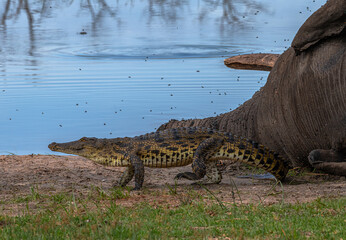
(187, 175)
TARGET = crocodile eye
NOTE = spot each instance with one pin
(83, 139)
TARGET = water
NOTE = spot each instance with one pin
(122, 68)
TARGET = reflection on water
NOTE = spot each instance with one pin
(114, 68)
(105, 17)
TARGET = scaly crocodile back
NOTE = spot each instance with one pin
(176, 147)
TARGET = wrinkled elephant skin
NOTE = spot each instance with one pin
(302, 107)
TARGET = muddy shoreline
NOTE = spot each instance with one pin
(51, 174)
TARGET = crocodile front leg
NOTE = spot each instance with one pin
(135, 169)
(138, 166)
(200, 164)
(127, 176)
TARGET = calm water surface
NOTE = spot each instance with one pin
(121, 68)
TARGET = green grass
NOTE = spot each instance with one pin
(98, 216)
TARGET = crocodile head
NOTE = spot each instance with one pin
(81, 147)
(100, 150)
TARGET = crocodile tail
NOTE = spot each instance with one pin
(270, 162)
(257, 155)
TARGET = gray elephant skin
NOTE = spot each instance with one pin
(301, 111)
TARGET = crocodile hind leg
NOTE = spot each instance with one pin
(213, 174)
(329, 161)
(200, 164)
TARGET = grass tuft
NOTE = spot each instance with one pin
(72, 216)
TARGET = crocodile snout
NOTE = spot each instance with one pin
(53, 146)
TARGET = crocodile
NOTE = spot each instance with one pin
(174, 148)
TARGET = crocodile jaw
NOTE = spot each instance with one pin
(94, 149)
(64, 148)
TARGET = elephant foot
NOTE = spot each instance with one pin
(321, 155)
(329, 161)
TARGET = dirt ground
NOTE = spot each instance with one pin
(51, 174)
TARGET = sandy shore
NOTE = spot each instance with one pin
(51, 174)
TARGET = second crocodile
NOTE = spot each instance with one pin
(174, 148)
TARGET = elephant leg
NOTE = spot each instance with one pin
(329, 161)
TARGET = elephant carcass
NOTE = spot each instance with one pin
(302, 107)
